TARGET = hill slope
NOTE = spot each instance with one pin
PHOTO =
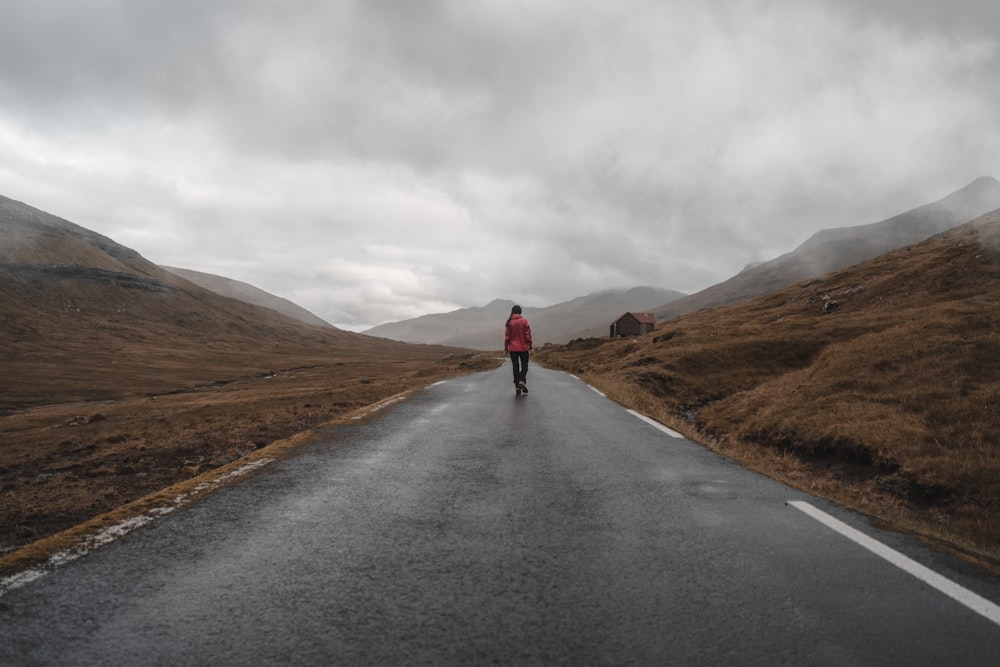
(481, 328)
(235, 289)
(834, 249)
(120, 378)
(886, 402)
(87, 318)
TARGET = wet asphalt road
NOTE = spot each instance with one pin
(466, 525)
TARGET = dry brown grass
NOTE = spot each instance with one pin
(67, 463)
(121, 379)
(887, 402)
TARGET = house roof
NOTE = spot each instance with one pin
(646, 318)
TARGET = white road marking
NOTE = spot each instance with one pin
(378, 406)
(962, 595)
(124, 527)
(655, 424)
(598, 391)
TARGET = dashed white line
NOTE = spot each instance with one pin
(962, 595)
(598, 391)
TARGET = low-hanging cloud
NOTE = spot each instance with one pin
(380, 160)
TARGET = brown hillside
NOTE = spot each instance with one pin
(120, 378)
(836, 249)
(87, 319)
(877, 385)
(242, 291)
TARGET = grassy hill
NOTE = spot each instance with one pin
(121, 378)
(836, 249)
(877, 385)
(236, 289)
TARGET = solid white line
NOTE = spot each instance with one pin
(120, 529)
(652, 422)
(976, 603)
(378, 406)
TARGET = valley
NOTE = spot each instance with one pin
(873, 384)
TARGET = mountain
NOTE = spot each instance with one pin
(885, 401)
(481, 328)
(461, 324)
(563, 321)
(235, 289)
(838, 248)
(121, 380)
(84, 318)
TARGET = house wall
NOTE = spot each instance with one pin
(628, 325)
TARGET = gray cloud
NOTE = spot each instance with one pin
(380, 160)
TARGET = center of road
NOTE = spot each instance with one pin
(468, 525)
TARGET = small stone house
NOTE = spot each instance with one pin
(633, 324)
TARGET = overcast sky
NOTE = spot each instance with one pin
(376, 160)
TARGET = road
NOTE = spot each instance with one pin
(466, 525)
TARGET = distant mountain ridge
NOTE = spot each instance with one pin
(481, 328)
(827, 250)
(76, 264)
(838, 248)
(246, 292)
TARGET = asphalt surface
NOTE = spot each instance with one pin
(466, 525)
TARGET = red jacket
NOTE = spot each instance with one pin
(518, 335)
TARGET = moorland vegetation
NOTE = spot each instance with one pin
(121, 379)
(877, 386)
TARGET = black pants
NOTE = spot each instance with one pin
(519, 360)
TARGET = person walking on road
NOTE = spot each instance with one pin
(517, 341)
